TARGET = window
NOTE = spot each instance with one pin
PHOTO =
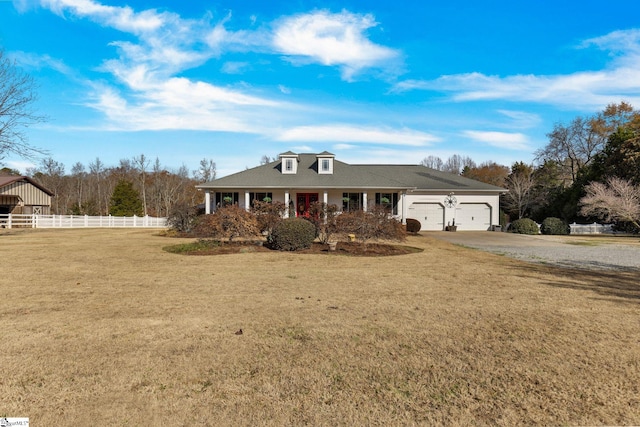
(288, 165)
(325, 165)
(388, 200)
(261, 197)
(224, 199)
(351, 201)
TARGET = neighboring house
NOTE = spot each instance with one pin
(434, 198)
(23, 195)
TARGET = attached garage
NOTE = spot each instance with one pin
(430, 215)
(473, 216)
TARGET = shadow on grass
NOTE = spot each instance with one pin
(609, 281)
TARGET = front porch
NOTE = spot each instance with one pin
(300, 200)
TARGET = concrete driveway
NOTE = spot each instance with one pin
(580, 251)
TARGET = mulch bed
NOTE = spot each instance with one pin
(343, 248)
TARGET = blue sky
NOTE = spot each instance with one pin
(372, 82)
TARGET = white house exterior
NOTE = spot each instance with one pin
(434, 198)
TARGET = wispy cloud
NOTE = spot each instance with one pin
(332, 39)
(520, 119)
(509, 141)
(149, 92)
(580, 90)
(342, 133)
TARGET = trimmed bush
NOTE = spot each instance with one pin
(524, 226)
(413, 225)
(555, 226)
(293, 234)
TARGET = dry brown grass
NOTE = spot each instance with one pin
(102, 326)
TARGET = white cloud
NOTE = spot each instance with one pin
(342, 133)
(332, 39)
(120, 18)
(581, 90)
(284, 89)
(521, 119)
(235, 67)
(20, 165)
(510, 141)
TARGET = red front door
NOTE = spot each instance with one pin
(304, 202)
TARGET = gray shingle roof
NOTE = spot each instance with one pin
(6, 180)
(396, 177)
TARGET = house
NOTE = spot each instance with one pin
(434, 198)
(23, 195)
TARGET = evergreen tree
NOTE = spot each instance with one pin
(125, 200)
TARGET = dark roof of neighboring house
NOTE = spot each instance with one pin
(393, 177)
(6, 180)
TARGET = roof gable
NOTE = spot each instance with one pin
(7, 180)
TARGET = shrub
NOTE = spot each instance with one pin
(323, 217)
(524, 226)
(374, 224)
(268, 215)
(293, 234)
(413, 225)
(554, 226)
(229, 222)
(182, 217)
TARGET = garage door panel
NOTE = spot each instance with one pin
(473, 216)
(430, 215)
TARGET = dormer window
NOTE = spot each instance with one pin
(289, 163)
(325, 163)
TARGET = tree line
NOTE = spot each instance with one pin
(98, 189)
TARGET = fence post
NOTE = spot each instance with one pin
(9, 221)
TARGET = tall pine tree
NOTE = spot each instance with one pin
(125, 200)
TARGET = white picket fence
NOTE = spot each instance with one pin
(594, 228)
(80, 221)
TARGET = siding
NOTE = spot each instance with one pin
(20, 196)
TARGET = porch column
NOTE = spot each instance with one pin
(207, 202)
(286, 204)
(247, 201)
(404, 208)
(364, 202)
(325, 200)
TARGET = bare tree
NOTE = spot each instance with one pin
(616, 200)
(51, 175)
(520, 183)
(575, 145)
(78, 175)
(457, 163)
(17, 94)
(141, 163)
(265, 160)
(97, 170)
(433, 162)
(206, 171)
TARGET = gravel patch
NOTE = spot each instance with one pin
(550, 250)
(605, 257)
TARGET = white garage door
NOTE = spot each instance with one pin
(430, 215)
(473, 216)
